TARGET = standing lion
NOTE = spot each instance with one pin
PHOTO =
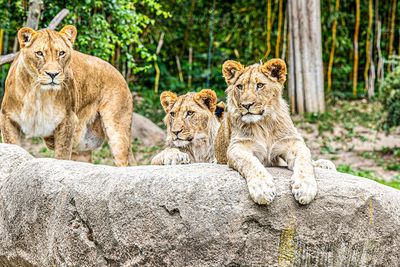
(258, 131)
(74, 101)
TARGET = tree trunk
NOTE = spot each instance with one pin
(306, 73)
(368, 49)
(35, 9)
(285, 35)
(296, 77)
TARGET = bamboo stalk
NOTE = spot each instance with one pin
(368, 45)
(380, 70)
(157, 79)
(332, 53)
(356, 31)
(1, 41)
(190, 67)
(391, 36)
(269, 25)
(157, 69)
(178, 64)
(379, 67)
(278, 38)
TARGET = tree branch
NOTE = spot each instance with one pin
(57, 19)
(52, 25)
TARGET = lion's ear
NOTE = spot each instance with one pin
(69, 32)
(25, 36)
(220, 110)
(167, 100)
(230, 69)
(275, 68)
(207, 97)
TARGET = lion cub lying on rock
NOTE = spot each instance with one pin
(74, 101)
(192, 122)
(258, 132)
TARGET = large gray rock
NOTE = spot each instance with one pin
(62, 213)
(146, 131)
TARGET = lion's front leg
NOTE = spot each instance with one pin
(63, 137)
(298, 158)
(9, 130)
(170, 156)
(259, 181)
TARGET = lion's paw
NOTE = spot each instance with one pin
(262, 190)
(176, 158)
(171, 157)
(304, 191)
(324, 164)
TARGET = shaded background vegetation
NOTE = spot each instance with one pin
(126, 33)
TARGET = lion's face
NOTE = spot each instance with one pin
(47, 55)
(188, 116)
(254, 91)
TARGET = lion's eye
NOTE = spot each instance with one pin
(61, 53)
(39, 53)
(260, 85)
(172, 114)
(240, 87)
(189, 113)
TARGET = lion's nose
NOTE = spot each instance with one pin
(247, 105)
(52, 74)
(176, 132)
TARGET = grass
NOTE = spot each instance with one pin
(395, 182)
(142, 153)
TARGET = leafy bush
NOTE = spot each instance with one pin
(390, 97)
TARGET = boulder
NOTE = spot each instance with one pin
(146, 131)
(64, 213)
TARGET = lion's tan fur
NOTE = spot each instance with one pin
(259, 132)
(85, 102)
(190, 138)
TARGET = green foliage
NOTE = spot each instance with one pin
(110, 29)
(390, 97)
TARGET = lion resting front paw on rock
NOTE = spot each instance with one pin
(74, 101)
(258, 131)
(192, 122)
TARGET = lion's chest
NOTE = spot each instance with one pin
(39, 115)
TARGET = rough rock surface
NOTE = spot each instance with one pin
(62, 213)
(146, 131)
